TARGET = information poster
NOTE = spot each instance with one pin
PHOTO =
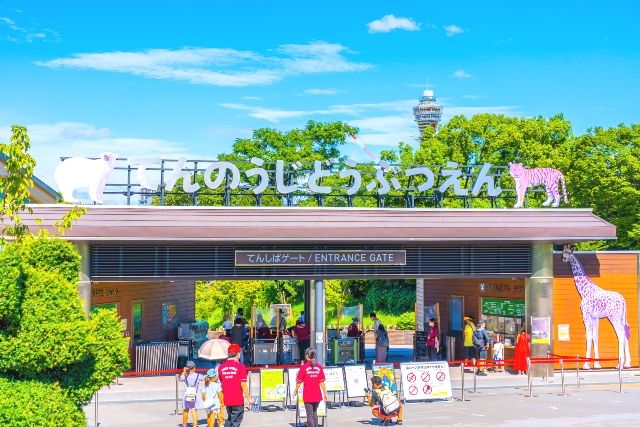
(334, 379)
(292, 373)
(563, 332)
(356, 380)
(540, 330)
(425, 380)
(388, 375)
(272, 386)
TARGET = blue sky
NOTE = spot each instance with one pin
(142, 81)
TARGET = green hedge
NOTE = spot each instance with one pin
(33, 403)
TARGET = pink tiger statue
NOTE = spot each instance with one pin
(548, 177)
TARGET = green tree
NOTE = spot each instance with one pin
(52, 359)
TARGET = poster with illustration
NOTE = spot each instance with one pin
(169, 314)
(541, 330)
(388, 375)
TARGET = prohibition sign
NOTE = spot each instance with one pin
(427, 389)
(440, 376)
(411, 377)
(413, 390)
(425, 377)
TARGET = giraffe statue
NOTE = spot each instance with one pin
(597, 304)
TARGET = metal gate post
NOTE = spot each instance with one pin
(462, 376)
(620, 375)
(475, 374)
(562, 374)
(176, 413)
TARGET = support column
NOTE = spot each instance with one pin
(321, 347)
(420, 305)
(311, 314)
(84, 280)
(539, 301)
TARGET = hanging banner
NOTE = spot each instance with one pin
(334, 379)
(425, 380)
(272, 386)
(356, 380)
(388, 375)
(541, 330)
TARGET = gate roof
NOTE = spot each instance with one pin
(285, 224)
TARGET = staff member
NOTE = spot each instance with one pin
(311, 376)
(303, 335)
(233, 377)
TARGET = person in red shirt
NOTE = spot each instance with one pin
(311, 377)
(353, 331)
(233, 377)
(303, 335)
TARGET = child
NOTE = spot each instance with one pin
(212, 398)
(498, 351)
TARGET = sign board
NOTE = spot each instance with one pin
(426, 380)
(540, 330)
(356, 380)
(319, 337)
(302, 411)
(503, 307)
(292, 373)
(287, 258)
(387, 373)
(272, 386)
(563, 332)
(334, 379)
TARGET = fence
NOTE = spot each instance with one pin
(156, 356)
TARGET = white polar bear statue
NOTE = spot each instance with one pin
(78, 172)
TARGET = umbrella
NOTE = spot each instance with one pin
(215, 349)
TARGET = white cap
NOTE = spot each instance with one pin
(427, 92)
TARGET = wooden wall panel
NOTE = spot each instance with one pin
(439, 291)
(152, 296)
(613, 272)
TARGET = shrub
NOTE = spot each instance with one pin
(34, 403)
(50, 344)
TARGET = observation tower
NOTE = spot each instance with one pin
(428, 112)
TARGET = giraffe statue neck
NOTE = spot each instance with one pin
(582, 281)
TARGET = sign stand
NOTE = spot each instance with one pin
(355, 381)
(272, 388)
(302, 413)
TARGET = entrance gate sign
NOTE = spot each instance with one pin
(425, 381)
(386, 177)
(245, 258)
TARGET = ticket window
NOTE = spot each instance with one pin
(504, 316)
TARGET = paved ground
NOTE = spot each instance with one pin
(499, 400)
(490, 407)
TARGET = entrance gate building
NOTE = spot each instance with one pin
(129, 253)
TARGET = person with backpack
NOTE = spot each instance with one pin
(382, 344)
(212, 398)
(481, 342)
(385, 404)
(191, 381)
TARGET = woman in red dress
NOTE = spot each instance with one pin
(522, 352)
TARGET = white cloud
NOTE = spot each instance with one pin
(471, 96)
(390, 23)
(218, 66)
(252, 98)
(453, 30)
(320, 91)
(461, 74)
(23, 34)
(51, 141)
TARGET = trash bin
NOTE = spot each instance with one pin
(451, 348)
